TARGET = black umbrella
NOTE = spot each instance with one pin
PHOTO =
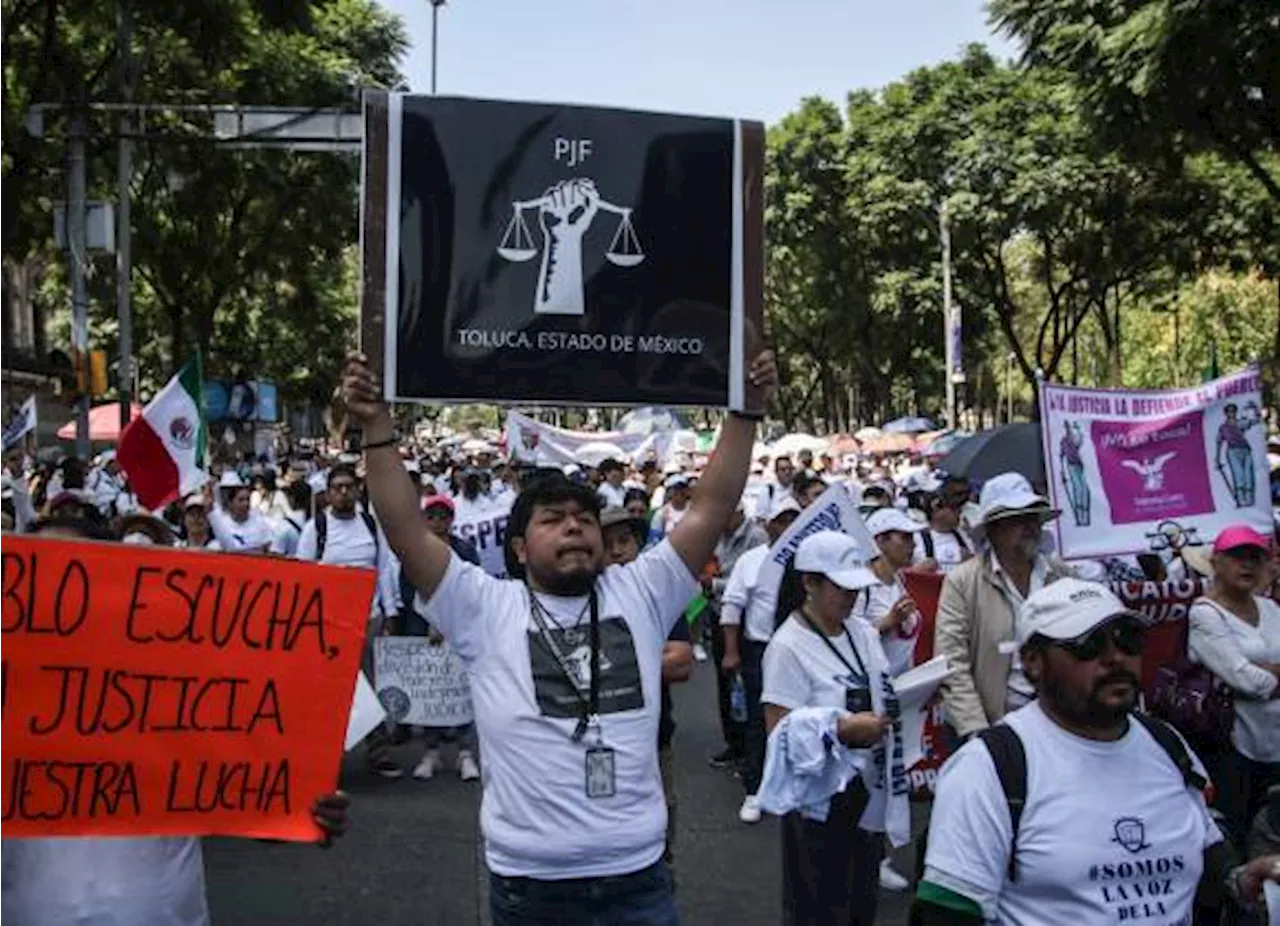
(1010, 448)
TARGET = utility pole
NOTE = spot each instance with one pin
(76, 244)
(944, 233)
(124, 216)
(435, 27)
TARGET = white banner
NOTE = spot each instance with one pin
(1141, 471)
(834, 510)
(421, 684)
(21, 423)
(486, 527)
(544, 445)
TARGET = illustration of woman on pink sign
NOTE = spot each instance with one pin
(1073, 478)
(1237, 470)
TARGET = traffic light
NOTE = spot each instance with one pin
(98, 372)
(91, 372)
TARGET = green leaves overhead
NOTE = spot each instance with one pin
(1055, 233)
(246, 253)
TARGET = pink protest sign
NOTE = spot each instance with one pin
(1153, 470)
(1139, 472)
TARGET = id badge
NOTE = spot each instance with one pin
(857, 700)
(600, 772)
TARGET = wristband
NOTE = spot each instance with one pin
(391, 441)
(747, 416)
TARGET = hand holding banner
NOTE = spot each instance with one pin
(157, 692)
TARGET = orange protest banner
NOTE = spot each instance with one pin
(151, 691)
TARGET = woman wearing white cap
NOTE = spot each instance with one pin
(822, 657)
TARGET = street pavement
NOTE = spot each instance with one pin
(413, 854)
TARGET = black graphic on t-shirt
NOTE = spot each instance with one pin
(620, 688)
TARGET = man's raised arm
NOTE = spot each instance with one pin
(718, 491)
(425, 558)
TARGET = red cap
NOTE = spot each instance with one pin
(437, 501)
(1240, 535)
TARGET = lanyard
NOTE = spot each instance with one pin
(591, 699)
(839, 655)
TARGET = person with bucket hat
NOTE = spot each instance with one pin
(981, 598)
(1073, 808)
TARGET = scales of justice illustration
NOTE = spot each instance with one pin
(565, 213)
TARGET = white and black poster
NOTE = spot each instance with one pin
(547, 254)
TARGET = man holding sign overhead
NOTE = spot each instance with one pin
(565, 662)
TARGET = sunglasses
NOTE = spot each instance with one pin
(1126, 634)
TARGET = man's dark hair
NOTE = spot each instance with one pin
(608, 466)
(73, 473)
(803, 481)
(299, 495)
(89, 527)
(632, 495)
(342, 469)
(550, 489)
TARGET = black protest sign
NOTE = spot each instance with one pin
(550, 254)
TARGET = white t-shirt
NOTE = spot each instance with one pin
(801, 671)
(899, 644)
(252, 535)
(349, 542)
(536, 817)
(103, 881)
(948, 553)
(1109, 834)
(741, 597)
(612, 496)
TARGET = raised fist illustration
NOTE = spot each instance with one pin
(565, 212)
(568, 208)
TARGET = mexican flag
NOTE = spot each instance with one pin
(162, 452)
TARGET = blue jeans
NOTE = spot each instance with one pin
(642, 898)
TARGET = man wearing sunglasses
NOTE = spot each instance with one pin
(1109, 827)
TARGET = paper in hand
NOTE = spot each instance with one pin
(915, 688)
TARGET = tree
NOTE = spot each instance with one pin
(815, 288)
(245, 253)
(1163, 78)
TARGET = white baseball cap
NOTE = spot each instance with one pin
(780, 504)
(230, 480)
(884, 520)
(1068, 609)
(836, 556)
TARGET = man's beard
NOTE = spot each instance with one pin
(566, 584)
(1088, 712)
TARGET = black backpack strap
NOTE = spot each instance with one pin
(370, 523)
(1010, 760)
(926, 537)
(1175, 748)
(322, 534)
(960, 540)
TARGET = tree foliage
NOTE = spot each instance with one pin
(244, 253)
(1060, 241)
(1166, 77)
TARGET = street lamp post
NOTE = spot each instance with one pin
(435, 27)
